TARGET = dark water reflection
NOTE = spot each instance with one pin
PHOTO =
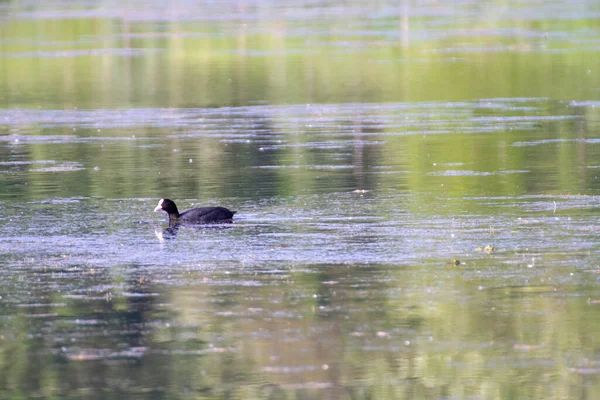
(416, 189)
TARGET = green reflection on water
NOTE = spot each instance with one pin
(313, 330)
(422, 149)
(118, 62)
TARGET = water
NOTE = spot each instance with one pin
(416, 194)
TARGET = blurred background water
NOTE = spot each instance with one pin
(416, 186)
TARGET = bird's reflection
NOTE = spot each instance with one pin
(168, 233)
(171, 232)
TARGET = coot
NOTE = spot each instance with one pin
(203, 215)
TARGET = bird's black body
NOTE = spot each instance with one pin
(202, 215)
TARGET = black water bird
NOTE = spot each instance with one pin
(202, 215)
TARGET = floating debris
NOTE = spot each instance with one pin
(487, 249)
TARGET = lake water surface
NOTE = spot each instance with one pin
(416, 187)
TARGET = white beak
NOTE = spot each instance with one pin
(159, 206)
